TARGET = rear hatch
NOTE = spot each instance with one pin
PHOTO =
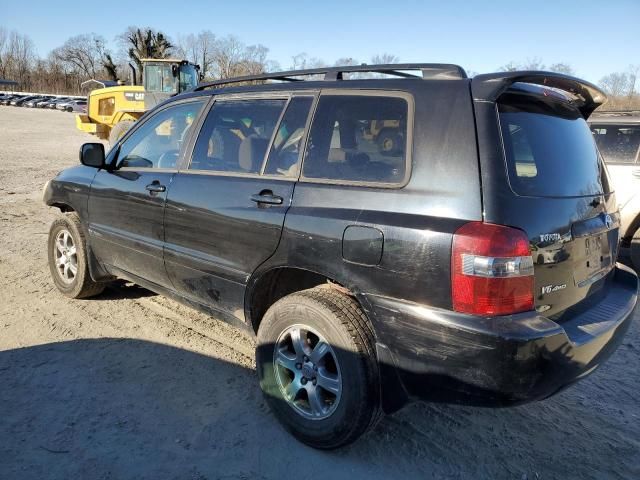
(557, 191)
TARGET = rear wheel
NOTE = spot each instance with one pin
(317, 367)
(118, 130)
(389, 141)
(68, 259)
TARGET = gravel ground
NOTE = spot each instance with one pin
(132, 385)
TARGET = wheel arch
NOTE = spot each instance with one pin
(268, 286)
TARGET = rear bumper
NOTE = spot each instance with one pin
(441, 355)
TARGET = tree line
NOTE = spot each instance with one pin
(86, 56)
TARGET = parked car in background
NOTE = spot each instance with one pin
(32, 103)
(18, 102)
(469, 257)
(65, 104)
(617, 135)
(11, 98)
(43, 102)
(78, 106)
(54, 103)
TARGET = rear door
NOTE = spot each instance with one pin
(556, 190)
(226, 209)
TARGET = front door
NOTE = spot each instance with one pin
(126, 205)
(225, 212)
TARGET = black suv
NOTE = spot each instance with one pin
(415, 235)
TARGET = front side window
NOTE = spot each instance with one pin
(236, 134)
(157, 143)
(617, 143)
(358, 138)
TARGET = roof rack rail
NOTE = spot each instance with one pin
(436, 71)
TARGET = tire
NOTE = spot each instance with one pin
(350, 403)
(67, 252)
(390, 142)
(118, 130)
(634, 251)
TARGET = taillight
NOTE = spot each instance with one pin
(491, 270)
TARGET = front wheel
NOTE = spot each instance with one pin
(317, 367)
(68, 259)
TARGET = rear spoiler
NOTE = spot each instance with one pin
(587, 97)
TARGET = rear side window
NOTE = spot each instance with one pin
(358, 138)
(549, 151)
(285, 151)
(236, 134)
(617, 143)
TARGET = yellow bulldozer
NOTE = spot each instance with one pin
(113, 109)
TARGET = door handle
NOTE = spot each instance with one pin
(266, 197)
(155, 187)
(636, 173)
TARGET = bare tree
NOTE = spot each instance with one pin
(509, 67)
(615, 84)
(534, 63)
(18, 59)
(301, 61)
(384, 58)
(145, 43)
(84, 53)
(562, 68)
(199, 49)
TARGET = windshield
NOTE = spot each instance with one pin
(159, 78)
(188, 77)
(549, 151)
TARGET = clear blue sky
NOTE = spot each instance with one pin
(595, 37)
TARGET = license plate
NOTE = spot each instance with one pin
(594, 254)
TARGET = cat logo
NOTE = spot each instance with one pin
(134, 96)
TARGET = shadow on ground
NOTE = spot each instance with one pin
(122, 408)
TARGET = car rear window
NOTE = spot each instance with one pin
(549, 150)
(617, 143)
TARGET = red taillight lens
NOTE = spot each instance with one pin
(491, 270)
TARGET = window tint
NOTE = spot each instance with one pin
(358, 138)
(284, 155)
(236, 135)
(549, 151)
(617, 143)
(157, 143)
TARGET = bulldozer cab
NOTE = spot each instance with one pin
(166, 77)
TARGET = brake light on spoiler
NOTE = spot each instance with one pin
(491, 270)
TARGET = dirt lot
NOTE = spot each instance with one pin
(131, 385)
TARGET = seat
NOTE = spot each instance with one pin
(251, 153)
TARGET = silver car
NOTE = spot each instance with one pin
(617, 135)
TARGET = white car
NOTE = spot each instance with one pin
(617, 135)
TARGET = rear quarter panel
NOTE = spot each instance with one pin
(417, 221)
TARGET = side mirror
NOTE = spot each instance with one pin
(92, 155)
